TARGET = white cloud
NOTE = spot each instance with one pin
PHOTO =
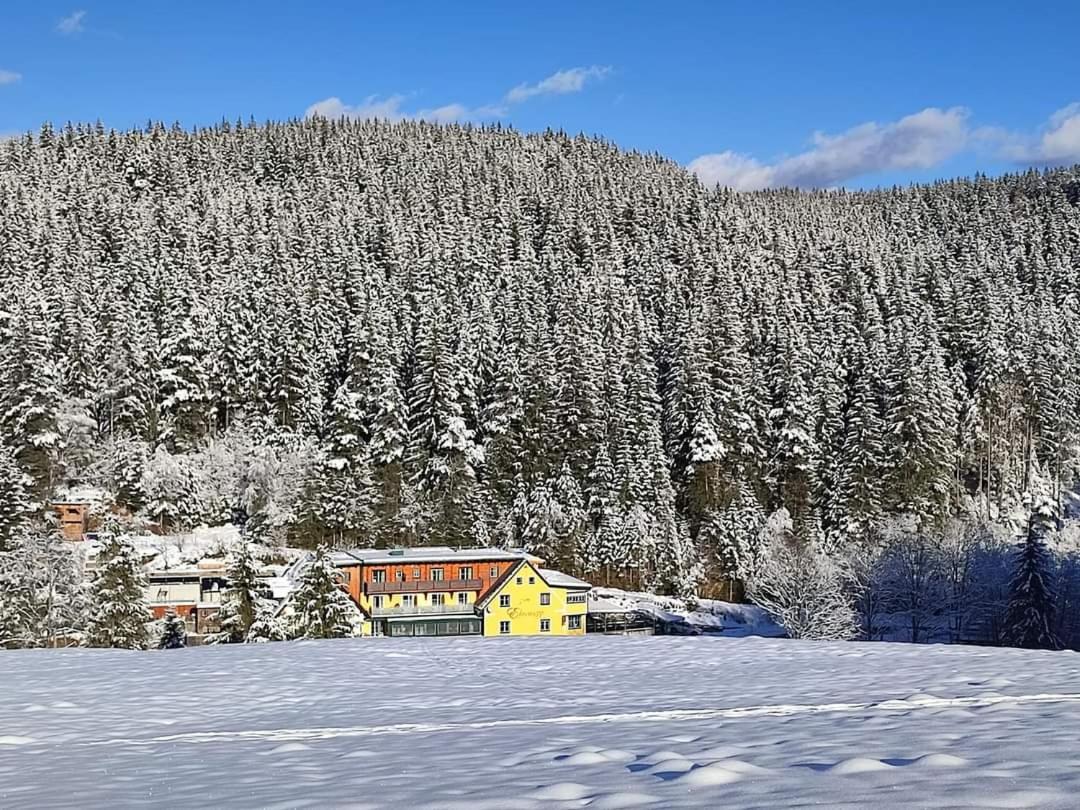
(372, 107)
(1057, 142)
(390, 107)
(9, 77)
(72, 23)
(916, 141)
(572, 80)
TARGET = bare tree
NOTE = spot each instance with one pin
(808, 592)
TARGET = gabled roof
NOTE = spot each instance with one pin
(554, 579)
(496, 586)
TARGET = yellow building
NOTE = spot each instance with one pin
(436, 591)
(529, 600)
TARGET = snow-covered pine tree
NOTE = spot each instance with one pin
(267, 626)
(1029, 620)
(173, 633)
(320, 608)
(386, 451)
(118, 610)
(243, 597)
(14, 503)
(30, 392)
(444, 452)
(184, 378)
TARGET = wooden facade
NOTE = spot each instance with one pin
(365, 581)
(73, 519)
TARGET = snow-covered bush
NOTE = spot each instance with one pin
(804, 589)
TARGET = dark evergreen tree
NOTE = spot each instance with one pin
(1029, 621)
(173, 633)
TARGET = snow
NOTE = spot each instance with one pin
(560, 580)
(705, 616)
(82, 494)
(537, 723)
(175, 551)
(165, 552)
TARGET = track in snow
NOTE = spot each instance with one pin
(779, 710)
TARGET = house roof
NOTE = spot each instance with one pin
(172, 573)
(496, 586)
(557, 579)
(598, 604)
(427, 554)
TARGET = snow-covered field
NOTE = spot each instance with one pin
(596, 722)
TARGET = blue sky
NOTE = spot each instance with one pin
(751, 94)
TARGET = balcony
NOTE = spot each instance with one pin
(424, 610)
(423, 586)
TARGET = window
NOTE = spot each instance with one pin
(504, 600)
(532, 580)
(575, 599)
(504, 628)
(378, 575)
(416, 573)
(378, 601)
(465, 572)
(573, 622)
(399, 575)
(494, 572)
(408, 600)
(545, 625)
(463, 599)
(519, 580)
(438, 599)
(545, 599)
(436, 574)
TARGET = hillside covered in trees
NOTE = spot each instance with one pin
(370, 333)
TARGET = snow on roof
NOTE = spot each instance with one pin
(166, 573)
(598, 604)
(80, 495)
(383, 556)
(280, 587)
(560, 580)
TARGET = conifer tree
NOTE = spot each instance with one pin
(118, 609)
(1029, 620)
(320, 608)
(14, 503)
(267, 626)
(173, 633)
(241, 600)
(30, 394)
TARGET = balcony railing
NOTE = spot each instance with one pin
(424, 610)
(423, 586)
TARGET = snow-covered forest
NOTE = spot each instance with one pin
(364, 333)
